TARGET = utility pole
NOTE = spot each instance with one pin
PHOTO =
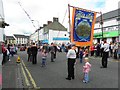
(101, 23)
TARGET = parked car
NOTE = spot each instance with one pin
(22, 48)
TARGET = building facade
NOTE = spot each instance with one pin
(21, 39)
(110, 27)
(2, 34)
(10, 40)
(52, 32)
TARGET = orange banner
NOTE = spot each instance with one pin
(82, 28)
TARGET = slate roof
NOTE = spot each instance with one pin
(20, 36)
(55, 26)
(10, 37)
(109, 15)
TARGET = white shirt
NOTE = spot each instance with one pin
(71, 54)
(106, 47)
(112, 46)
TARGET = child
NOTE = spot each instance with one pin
(86, 70)
(44, 55)
(81, 55)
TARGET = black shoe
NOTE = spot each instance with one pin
(73, 77)
(68, 78)
(103, 67)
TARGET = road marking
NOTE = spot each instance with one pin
(30, 76)
(26, 79)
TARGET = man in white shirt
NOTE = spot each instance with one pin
(71, 56)
(105, 54)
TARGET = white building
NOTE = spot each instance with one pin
(21, 39)
(110, 27)
(119, 18)
(1, 22)
(53, 32)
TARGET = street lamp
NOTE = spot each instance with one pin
(38, 28)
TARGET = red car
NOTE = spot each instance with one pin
(22, 48)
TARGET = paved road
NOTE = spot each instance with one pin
(54, 74)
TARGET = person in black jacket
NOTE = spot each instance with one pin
(52, 50)
(29, 53)
(34, 51)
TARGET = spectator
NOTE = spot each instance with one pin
(29, 53)
(111, 49)
(86, 70)
(115, 48)
(44, 56)
(92, 50)
(4, 51)
(52, 50)
(34, 51)
(105, 54)
(81, 55)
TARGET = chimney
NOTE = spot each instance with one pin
(55, 19)
(49, 22)
(44, 25)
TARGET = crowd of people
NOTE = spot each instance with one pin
(7, 51)
(103, 49)
(97, 50)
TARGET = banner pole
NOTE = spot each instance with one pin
(69, 21)
(84, 9)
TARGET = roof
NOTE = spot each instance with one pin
(109, 15)
(20, 36)
(10, 37)
(56, 26)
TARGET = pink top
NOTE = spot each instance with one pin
(44, 55)
(87, 67)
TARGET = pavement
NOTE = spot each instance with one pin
(11, 74)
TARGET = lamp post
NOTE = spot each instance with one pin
(37, 29)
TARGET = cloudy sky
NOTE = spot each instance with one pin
(42, 11)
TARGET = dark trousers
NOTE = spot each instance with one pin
(92, 53)
(55, 55)
(29, 57)
(115, 54)
(104, 59)
(4, 59)
(71, 68)
(52, 56)
(101, 52)
(34, 61)
(98, 52)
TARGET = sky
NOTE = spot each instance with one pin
(41, 11)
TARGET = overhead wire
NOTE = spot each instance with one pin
(27, 15)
